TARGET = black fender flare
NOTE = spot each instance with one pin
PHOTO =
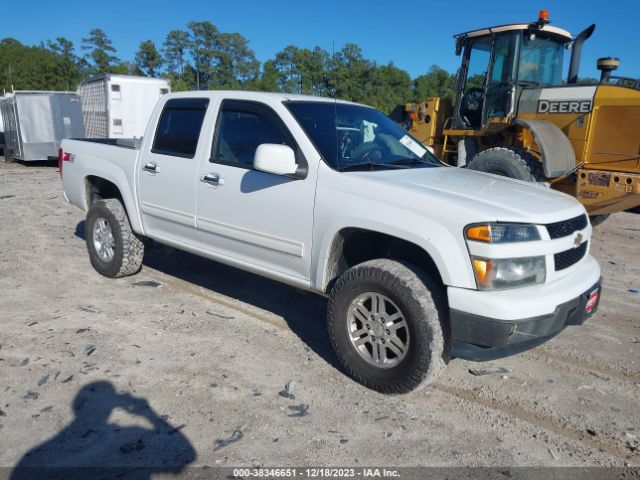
(558, 157)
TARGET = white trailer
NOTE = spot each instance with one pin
(119, 106)
(35, 122)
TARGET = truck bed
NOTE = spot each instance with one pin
(113, 160)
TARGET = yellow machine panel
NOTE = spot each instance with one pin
(427, 121)
(603, 192)
(614, 142)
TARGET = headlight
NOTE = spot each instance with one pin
(502, 233)
(495, 274)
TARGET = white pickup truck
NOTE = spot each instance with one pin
(421, 262)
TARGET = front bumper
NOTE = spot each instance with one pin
(480, 336)
(603, 192)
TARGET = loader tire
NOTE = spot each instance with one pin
(388, 306)
(509, 162)
(114, 249)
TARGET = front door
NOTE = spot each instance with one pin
(250, 218)
(168, 172)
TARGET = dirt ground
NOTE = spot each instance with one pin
(183, 363)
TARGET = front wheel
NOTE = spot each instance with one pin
(114, 249)
(385, 321)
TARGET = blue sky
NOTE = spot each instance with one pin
(412, 34)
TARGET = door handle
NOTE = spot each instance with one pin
(150, 167)
(212, 179)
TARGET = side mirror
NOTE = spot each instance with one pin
(459, 45)
(277, 159)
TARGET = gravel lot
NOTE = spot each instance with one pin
(182, 365)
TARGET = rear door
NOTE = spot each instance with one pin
(250, 218)
(168, 172)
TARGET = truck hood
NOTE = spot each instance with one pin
(488, 196)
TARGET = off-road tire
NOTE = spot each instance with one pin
(423, 303)
(128, 249)
(509, 162)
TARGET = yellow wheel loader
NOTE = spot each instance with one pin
(514, 115)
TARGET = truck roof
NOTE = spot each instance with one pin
(264, 96)
(516, 26)
(125, 78)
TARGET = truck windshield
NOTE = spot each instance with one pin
(351, 137)
(540, 60)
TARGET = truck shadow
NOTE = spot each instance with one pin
(304, 312)
(92, 447)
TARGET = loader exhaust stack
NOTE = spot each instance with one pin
(576, 51)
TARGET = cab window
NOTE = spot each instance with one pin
(478, 63)
(179, 127)
(473, 94)
(241, 129)
(540, 61)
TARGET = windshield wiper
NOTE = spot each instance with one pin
(372, 165)
(416, 161)
(410, 161)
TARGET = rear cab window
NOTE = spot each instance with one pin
(179, 127)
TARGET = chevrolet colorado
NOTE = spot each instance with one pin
(421, 262)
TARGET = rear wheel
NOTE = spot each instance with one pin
(385, 322)
(509, 162)
(114, 250)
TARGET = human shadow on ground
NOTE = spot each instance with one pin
(91, 447)
(304, 312)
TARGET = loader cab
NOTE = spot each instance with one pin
(497, 63)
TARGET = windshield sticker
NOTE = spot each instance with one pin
(412, 145)
(369, 128)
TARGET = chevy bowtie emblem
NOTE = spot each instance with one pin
(578, 240)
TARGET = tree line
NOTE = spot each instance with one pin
(202, 57)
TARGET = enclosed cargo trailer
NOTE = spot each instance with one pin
(35, 122)
(119, 106)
